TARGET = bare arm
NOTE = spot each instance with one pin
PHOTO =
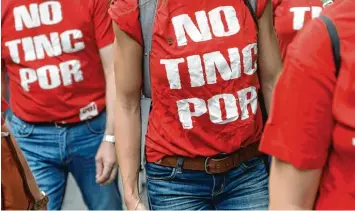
(106, 161)
(291, 188)
(128, 75)
(300, 127)
(106, 59)
(270, 62)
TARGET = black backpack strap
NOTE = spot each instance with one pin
(252, 4)
(267, 161)
(334, 38)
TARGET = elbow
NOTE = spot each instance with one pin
(268, 81)
(128, 101)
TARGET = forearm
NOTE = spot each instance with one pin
(128, 77)
(269, 60)
(267, 87)
(127, 132)
(271, 66)
(292, 188)
(110, 102)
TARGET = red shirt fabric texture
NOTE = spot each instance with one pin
(51, 53)
(290, 16)
(312, 121)
(203, 75)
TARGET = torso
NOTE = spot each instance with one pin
(204, 83)
(290, 16)
(52, 60)
(337, 188)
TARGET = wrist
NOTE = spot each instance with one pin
(132, 200)
(109, 130)
(38, 195)
(109, 138)
(42, 202)
(131, 192)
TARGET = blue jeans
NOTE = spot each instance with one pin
(243, 188)
(52, 152)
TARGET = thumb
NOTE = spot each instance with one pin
(99, 167)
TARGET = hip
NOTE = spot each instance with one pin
(217, 164)
(59, 110)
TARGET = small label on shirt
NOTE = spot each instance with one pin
(327, 3)
(354, 141)
(88, 111)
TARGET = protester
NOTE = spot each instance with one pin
(291, 15)
(192, 151)
(311, 128)
(58, 55)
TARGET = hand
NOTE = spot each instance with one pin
(134, 203)
(44, 208)
(106, 163)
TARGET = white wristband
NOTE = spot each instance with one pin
(109, 138)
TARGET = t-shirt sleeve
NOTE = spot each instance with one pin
(102, 22)
(299, 129)
(125, 13)
(261, 5)
(275, 3)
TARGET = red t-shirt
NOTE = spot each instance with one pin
(204, 84)
(290, 16)
(312, 122)
(51, 52)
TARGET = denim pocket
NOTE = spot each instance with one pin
(157, 172)
(252, 163)
(98, 124)
(20, 128)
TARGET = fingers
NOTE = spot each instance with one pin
(112, 176)
(99, 167)
(141, 206)
(106, 172)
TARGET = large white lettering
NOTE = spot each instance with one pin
(55, 44)
(215, 110)
(183, 25)
(213, 62)
(45, 45)
(50, 76)
(243, 98)
(185, 114)
(195, 70)
(46, 13)
(172, 72)
(231, 19)
(248, 58)
(222, 108)
(299, 14)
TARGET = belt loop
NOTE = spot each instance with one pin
(57, 125)
(179, 163)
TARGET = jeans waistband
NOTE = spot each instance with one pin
(65, 124)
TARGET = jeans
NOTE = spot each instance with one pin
(52, 152)
(243, 188)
